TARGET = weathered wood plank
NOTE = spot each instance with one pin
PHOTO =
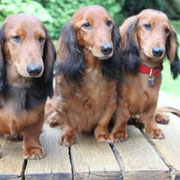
(140, 159)
(56, 163)
(93, 160)
(170, 146)
(12, 159)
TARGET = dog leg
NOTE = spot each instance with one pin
(119, 131)
(101, 132)
(151, 127)
(31, 143)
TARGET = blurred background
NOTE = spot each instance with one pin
(55, 13)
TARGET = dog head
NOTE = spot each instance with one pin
(149, 35)
(92, 30)
(26, 45)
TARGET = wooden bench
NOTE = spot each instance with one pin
(138, 158)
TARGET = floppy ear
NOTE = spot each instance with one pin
(70, 58)
(130, 48)
(172, 53)
(112, 66)
(49, 56)
(2, 41)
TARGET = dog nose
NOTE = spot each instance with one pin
(34, 69)
(157, 51)
(106, 49)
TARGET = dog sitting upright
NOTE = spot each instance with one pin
(27, 56)
(146, 39)
(86, 74)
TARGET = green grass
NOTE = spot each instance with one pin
(170, 85)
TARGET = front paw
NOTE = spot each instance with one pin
(34, 153)
(104, 137)
(155, 133)
(120, 136)
(67, 139)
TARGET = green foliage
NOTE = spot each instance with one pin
(170, 7)
(62, 10)
(55, 13)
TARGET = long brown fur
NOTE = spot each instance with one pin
(85, 97)
(24, 41)
(135, 97)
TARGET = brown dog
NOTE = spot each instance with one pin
(26, 71)
(86, 70)
(146, 39)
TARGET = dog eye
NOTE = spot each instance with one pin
(41, 39)
(147, 26)
(109, 23)
(166, 31)
(16, 38)
(86, 25)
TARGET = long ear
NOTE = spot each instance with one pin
(49, 56)
(2, 41)
(112, 67)
(130, 47)
(172, 53)
(70, 58)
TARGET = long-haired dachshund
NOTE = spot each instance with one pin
(27, 56)
(86, 71)
(146, 39)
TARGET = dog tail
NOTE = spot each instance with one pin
(168, 110)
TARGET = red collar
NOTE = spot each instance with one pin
(151, 71)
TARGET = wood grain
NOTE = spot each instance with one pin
(93, 160)
(170, 146)
(12, 159)
(140, 159)
(56, 162)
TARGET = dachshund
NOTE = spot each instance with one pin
(87, 69)
(27, 56)
(146, 39)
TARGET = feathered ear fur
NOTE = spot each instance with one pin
(49, 56)
(130, 48)
(172, 53)
(112, 66)
(70, 58)
(2, 41)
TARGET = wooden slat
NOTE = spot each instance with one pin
(170, 146)
(93, 160)
(55, 164)
(12, 159)
(140, 159)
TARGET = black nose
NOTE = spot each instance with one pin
(106, 49)
(34, 69)
(157, 51)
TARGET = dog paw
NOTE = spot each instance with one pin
(104, 137)
(67, 140)
(162, 119)
(120, 136)
(34, 153)
(155, 133)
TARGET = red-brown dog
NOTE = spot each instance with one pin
(86, 70)
(26, 71)
(146, 39)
